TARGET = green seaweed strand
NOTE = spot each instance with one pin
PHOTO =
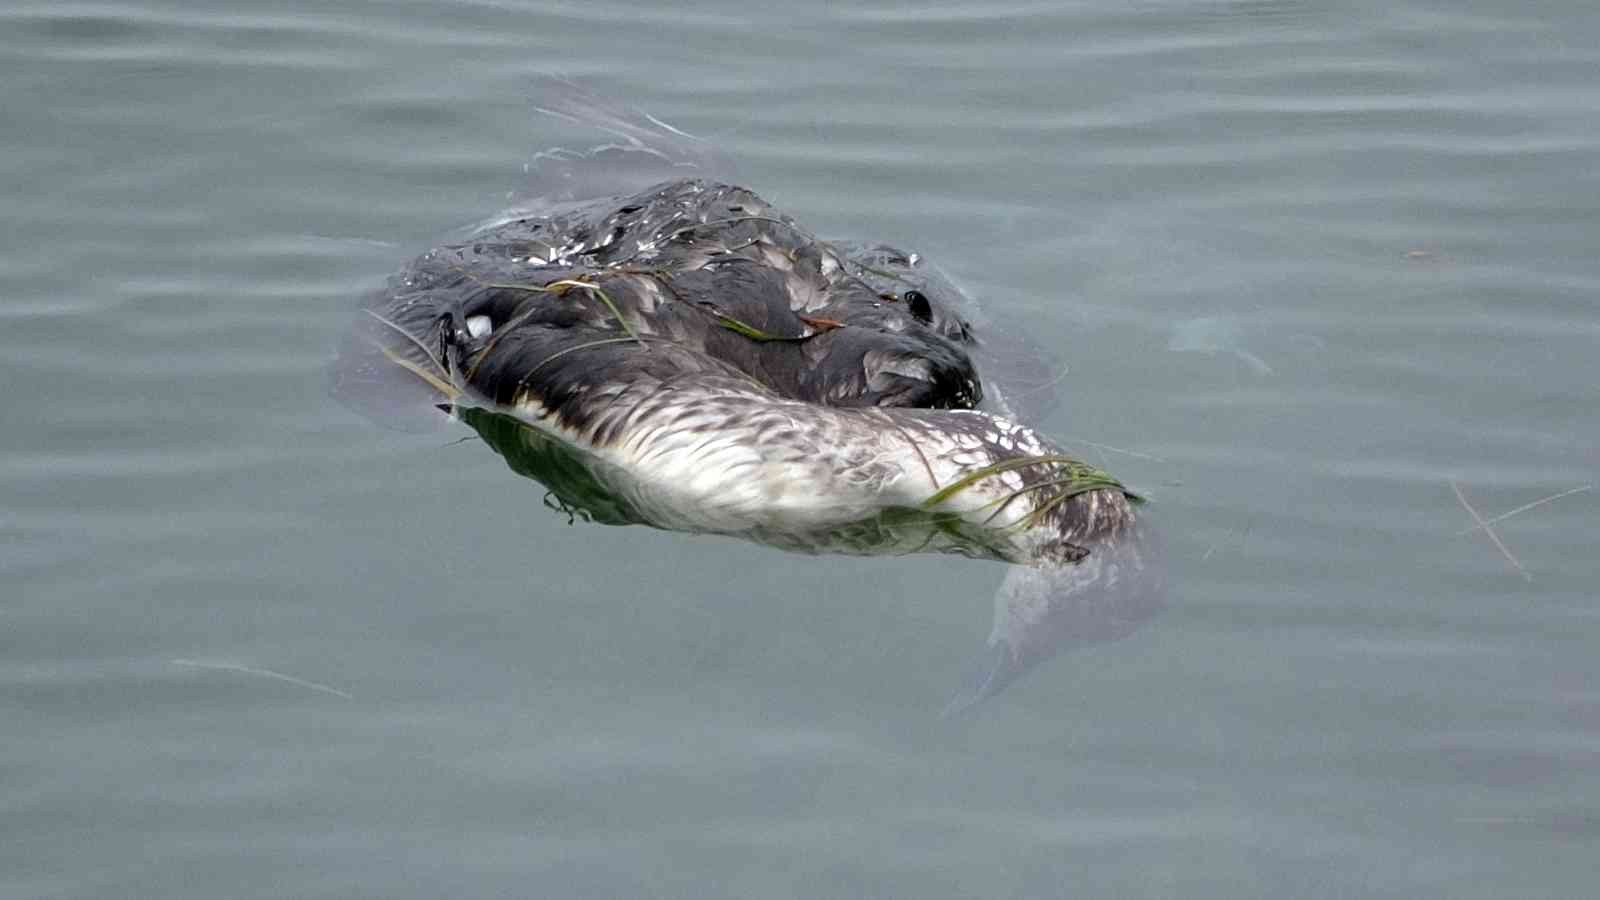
(752, 332)
(1080, 477)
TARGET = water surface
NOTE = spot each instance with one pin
(1309, 262)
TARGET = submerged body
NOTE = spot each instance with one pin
(689, 358)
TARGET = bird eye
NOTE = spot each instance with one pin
(918, 304)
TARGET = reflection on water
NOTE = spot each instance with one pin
(1212, 336)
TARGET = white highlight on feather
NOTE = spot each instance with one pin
(479, 326)
(706, 461)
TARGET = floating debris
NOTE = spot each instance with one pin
(1525, 507)
(264, 673)
(1489, 530)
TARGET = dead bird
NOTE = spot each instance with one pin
(675, 352)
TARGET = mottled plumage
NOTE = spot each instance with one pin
(687, 357)
(707, 267)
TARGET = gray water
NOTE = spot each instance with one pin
(1308, 264)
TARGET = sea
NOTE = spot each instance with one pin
(1319, 279)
